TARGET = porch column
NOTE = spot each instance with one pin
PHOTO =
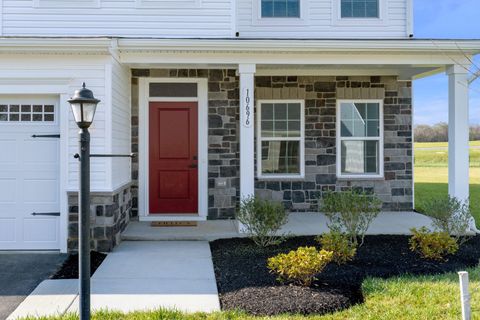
(458, 132)
(247, 145)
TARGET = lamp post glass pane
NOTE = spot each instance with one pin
(83, 112)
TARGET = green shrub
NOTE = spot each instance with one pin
(262, 220)
(338, 243)
(449, 215)
(300, 266)
(350, 212)
(432, 245)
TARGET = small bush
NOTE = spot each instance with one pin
(338, 243)
(449, 215)
(300, 266)
(350, 212)
(432, 245)
(262, 220)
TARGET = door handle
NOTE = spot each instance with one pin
(193, 165)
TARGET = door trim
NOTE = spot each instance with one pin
(143, 150)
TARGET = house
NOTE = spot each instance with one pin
(220, 99)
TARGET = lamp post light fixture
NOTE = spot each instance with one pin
(83, 105)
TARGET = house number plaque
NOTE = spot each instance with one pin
(247, 109)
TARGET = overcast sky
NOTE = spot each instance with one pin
(451, 19)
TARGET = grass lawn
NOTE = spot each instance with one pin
(431, 174)
(401, 298)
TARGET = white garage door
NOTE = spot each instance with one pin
(29, 173)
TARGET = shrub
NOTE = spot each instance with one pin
(338, 243)
(300, 266)
(262, 220)
(350, 212)
(449, 215)
(432, 245)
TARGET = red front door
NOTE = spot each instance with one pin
(173, 161)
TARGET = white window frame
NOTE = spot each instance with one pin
(380, 140)
(337, 19)
(277, 176)
(257, 18)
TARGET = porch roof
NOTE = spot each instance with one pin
(406, 58)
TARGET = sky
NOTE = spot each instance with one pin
(450, 19)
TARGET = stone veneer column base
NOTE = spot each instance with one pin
(109, 214)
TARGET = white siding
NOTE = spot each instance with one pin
(121, 124)
(320, 21)
(128, 18)
(73, 70)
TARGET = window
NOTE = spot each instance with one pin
(280, 8)
(359, 138)
(360, 9)
(280, 143)
(27, 113)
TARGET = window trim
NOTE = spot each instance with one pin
(337, 19)
(276, 176)
(380, 140)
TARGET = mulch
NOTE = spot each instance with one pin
(245, 283)
(69, 269)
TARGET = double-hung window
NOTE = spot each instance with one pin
(280, 8)
(360, 138)
(360, 9)
(280, 138)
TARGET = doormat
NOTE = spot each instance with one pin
(173, 224)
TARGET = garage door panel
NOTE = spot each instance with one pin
(40, 151)
(10, 152)
(40, 191)
(40, 229)
(8, 190)
(7, 230)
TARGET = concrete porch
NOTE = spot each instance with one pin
(300, 224)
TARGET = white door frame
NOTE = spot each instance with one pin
(143, 152)
(58, 87)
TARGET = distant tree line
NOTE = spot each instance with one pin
(439, 132)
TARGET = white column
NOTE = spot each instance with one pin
(247, 145)
(458, 132)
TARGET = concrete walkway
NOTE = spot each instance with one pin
(137, 276)
(299, 223)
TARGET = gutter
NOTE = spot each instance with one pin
(103, 45)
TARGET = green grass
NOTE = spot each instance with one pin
(431, 174)
(399, 298)
(437, 154)
(440, 144)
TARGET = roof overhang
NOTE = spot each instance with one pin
(407, 58)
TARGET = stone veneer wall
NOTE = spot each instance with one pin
(109, 215)
(320, 95)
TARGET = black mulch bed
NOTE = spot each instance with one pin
(245, 283)
(69, 269)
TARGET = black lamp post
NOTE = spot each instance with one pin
(83, 105)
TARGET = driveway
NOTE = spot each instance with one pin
(20, 273)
